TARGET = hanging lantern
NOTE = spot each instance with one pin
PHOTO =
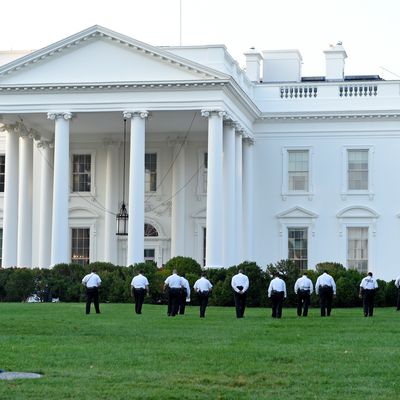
(122, 216)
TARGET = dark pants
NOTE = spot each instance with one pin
(325, 299)
(138, 295)
(303, 301)
(240, 303)
(182, 301)
(173, 301)
(398, 299)
(277, 302)
(92, 294)
(203, 298)
(368, 302)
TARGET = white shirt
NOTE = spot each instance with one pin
(304, 283)
(240, 280)
(139, 282)
(174, 281)
(91, 280)
(369, 283)
(325, 280)
(202, 285)
(185, 284)
(278, 285)
(397, 283)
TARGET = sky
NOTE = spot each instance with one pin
(368, 29)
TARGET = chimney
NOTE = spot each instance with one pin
(253, 64)
(282, 66)
(335, 57)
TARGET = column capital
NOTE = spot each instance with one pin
(228, 121)
(53, 115)
(109, 143)
(136, 113)
(248, 140)
(44, 144)
(208, 112)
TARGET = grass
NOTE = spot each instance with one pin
(120, 355)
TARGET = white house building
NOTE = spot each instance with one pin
(219, 164)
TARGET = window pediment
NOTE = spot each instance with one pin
(297, 212)
(357, 212)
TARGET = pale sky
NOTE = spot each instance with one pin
(369, 29)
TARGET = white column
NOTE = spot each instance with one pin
(10, 216)
(229, 194)
(112, 163)
(178, 200)
(215, 198)
(46, 197)
(248, 193)
(136, 187)
(60, 230)
(24, 240)
(239, 197)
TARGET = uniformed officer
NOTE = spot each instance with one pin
(139, 287)
(303, 288)
(184, 295)
(240, 284)
(277, 293)
(174, 285)
(368, 288)
(203, 288)
(92, 283)
(326, 288)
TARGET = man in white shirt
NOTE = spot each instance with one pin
(92, 283)
(174, 285)
(139, 287)
(303, 288)
(203, 288)
(326, 288)
(368, 287)
(184, 295)
(240, 284)
(397, 284)
(277, 293)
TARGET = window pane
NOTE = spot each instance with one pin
(2, 171)
(81, 172)
(298, 170)
(298, 246)
(357, 249)
(150, 166)
(80, 246)
(357, 169)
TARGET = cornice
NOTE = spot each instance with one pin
(328, 116)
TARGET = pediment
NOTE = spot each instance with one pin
(201, 214)
(297, 212)
(100, 55)
(357, 212)
(82, 213)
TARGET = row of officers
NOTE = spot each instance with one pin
(178, 289)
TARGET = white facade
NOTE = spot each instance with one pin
(221, 165)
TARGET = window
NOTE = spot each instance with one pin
(1, 246)
(357, 169)
(149, 230)
(298, 169)
(149, 255)
(205, 171)
(150, 166)
(2, 171)
(81, 172)
(80, 246)
(297, 246)
(357, 249)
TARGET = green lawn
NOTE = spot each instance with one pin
(120, 355)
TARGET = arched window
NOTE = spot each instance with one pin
(150, 231)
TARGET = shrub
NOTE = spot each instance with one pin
(183, 265)
(20, 284)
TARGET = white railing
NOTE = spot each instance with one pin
(290, 92)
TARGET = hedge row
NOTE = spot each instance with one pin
(64, 282)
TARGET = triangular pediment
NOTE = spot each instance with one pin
(297, 212)
(99, 55)
(357, 212)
